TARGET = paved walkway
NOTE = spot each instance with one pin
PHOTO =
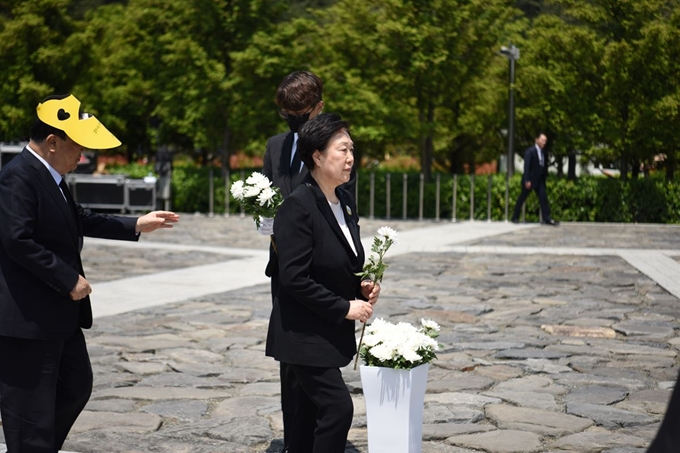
(555, 339)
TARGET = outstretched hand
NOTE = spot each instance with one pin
(155, 220)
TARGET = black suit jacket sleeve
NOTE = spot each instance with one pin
(295, 260)
(18, 214)
(107, 227)
(40, 240)
(267, 166)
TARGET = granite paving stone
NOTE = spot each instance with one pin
(652, 401)
(596, 441)
(546, 423)
(550, 333)
(609, 416)
(596, 394)
(179, 409)
(535, 400)
(500, 441)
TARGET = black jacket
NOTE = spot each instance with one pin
(40, 241)
(317, 279)
(533, 171)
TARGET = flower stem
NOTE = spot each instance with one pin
(361, 339)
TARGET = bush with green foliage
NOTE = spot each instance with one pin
(587, 199)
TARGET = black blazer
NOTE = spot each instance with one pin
(40, 242)
(317, 279)
(533, 171)
(277, 163)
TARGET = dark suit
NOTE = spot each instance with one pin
(277, 164)
(307, 329)
(535, 171)
(45, 373)
(277, 167)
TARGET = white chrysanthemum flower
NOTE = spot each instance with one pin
(388, 232)
(237, 190)
(376, 326)
(251, 192)
(429, 324)
(266, 196)
(258, 180)
(371, 340)
(402, 343)
(409, 351)
(382, 352)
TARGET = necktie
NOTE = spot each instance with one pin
(67, 195)
(295, 165)
(72, 204)
(540, 156)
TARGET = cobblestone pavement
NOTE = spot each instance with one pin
(542, 352)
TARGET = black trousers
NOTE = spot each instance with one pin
(289, 388)
(44, 385)
(542, 200)
(667, 439)
(323, 415)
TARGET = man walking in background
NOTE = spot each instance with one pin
(535, 171)
(45, 371)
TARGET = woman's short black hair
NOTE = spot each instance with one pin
(316, 133)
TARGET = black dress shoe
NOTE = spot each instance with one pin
(552, 222)
(514, 220)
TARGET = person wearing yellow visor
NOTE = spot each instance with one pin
(45, 372)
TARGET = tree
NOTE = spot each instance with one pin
(559, 83)
(172, 61)
(40, 55)
(410, 62)
(624, 27)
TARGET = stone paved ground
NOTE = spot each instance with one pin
(542, 352)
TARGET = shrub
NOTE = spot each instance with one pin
(586, 199)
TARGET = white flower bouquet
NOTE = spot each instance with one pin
(399, 346)
(257, 196)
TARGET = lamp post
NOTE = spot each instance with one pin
(512, 54)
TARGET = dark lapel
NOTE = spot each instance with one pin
(47, 181)
(296, 179)
(284, 164)
(352, 219)
(322, 204)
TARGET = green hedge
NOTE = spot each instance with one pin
(587, 199)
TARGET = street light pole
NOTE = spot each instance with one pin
(512, 54)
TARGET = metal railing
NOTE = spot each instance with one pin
(418, 199)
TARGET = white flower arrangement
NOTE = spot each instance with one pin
(400, 346)
(257, 196)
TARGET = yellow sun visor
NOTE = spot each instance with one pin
(84, 129)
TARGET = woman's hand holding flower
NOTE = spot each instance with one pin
(359, 310)
(370, 290)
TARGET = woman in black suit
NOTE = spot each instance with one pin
(312, 328)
